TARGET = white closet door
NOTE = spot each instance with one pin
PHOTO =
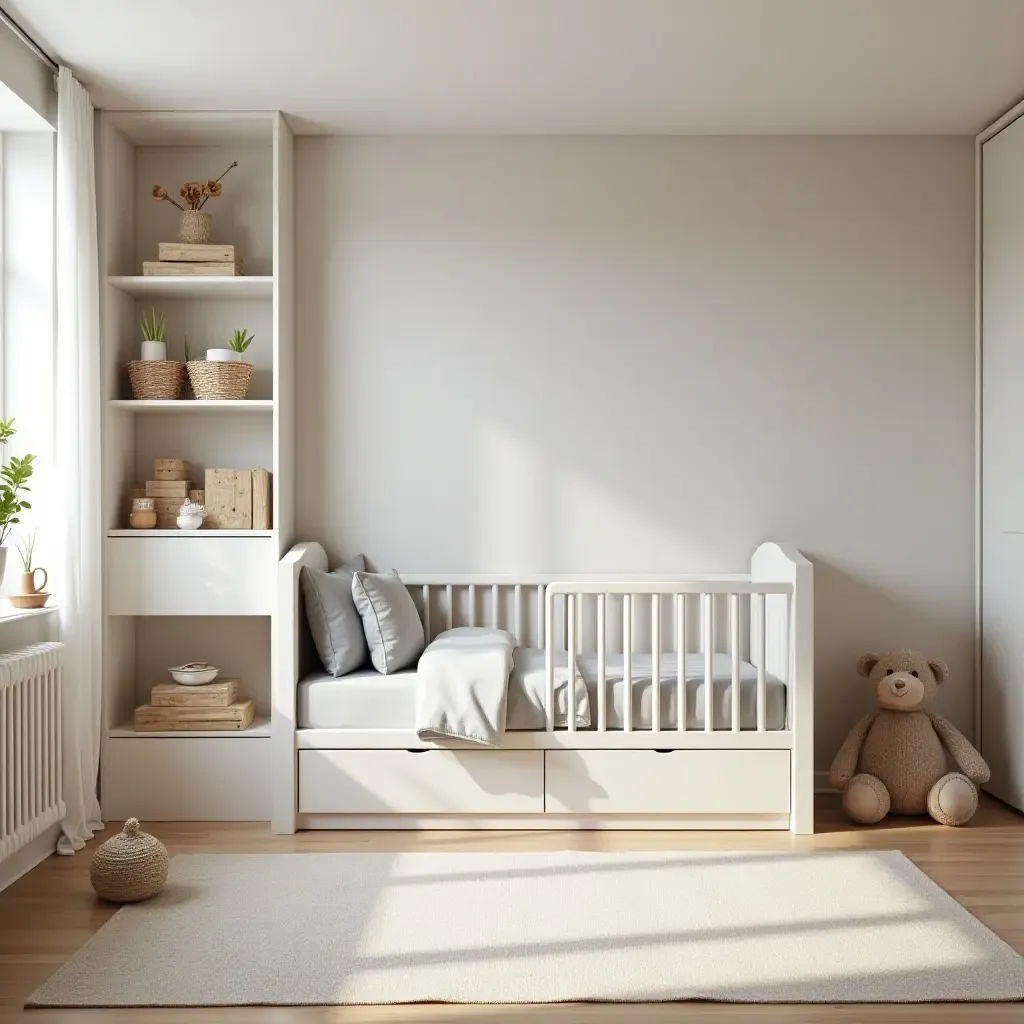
(1002, 464)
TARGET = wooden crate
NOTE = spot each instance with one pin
(191, 719)
(170, 469)
(261, 499)
(198, 496)
(221, 693)
(168, 489)
(187, 252)
(229, 499)
(154, 269)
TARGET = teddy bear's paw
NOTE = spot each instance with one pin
(953, 799)
(865, 799)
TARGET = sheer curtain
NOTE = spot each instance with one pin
(76, 522)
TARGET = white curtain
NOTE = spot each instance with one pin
(76, 521)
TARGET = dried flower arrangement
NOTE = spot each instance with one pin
(195, 193)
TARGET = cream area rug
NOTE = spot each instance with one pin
(290, 929)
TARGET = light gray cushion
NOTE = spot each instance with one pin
(391, 622)
(336, 626)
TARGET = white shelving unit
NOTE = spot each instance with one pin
(172, 596)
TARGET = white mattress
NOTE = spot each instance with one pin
(368, 700)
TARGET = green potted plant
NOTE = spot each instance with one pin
(14, 477)
(154, 329)
(236, 346)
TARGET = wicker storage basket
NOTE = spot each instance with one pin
(219, 380)
(131, 866)
(157, 378)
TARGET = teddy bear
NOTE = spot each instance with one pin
(895, 758)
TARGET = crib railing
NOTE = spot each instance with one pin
(763, 633)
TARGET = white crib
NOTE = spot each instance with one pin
(641, 764)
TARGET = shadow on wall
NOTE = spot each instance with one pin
(853, 615)
(648, 356)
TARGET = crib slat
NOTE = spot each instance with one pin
(546, 605)
(655, 662)
(680, 601)
(570, 711)
(495, 624)
(451, 598)
(517, 617)
(761, 602)
(627, 662)
(426, 612)
(602, 695)
(472, 604)
(709, 660)
(734, 646)
(542, 636)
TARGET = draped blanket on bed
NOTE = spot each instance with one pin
(473, 681)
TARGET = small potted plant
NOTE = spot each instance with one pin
(237, 344)
(196, 226)
(223, 374)
(154, 376)
(30, 595)
(154, 329)
(14, 477)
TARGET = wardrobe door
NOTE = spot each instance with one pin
(1002, 461)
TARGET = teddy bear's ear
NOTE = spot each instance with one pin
(939, 669)
(865, 663)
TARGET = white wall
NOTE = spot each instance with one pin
(648, 355)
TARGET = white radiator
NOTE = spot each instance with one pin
(30, 744)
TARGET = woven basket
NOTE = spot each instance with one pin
(219, 380)
(157, 378)
(131, 866)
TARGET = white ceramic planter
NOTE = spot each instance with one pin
(190, 522)
(153, 351)
(222, 355)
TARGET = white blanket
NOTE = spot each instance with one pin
(462, 685)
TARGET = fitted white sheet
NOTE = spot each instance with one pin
(368, 700)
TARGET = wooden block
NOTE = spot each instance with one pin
(199, 496)
(221, 693)
(229, 499)
(151, 269)
(167, 506)
(261, 499)
(168, 489)
(185, 252)
(170, 469)
(191, 719)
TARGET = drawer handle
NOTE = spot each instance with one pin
(659, 750)
(424, 750)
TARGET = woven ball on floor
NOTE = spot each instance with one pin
(130, 866)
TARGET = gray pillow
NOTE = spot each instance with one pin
(391, 622)
(333, 620)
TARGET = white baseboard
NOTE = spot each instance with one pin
(25, 859)
(821, 783)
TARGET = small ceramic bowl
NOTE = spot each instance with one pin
(195, 673)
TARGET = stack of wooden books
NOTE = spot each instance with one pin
(211, 707)
(182, 259)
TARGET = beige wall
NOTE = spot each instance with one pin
(648, 355)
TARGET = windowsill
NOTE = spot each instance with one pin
(9, 614)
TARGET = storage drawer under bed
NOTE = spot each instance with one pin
(704, 782)
(421, 782)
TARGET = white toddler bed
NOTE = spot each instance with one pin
(347, 754)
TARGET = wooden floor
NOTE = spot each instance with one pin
(51, 912)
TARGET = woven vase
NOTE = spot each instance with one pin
(130, 866)
(196, 228)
